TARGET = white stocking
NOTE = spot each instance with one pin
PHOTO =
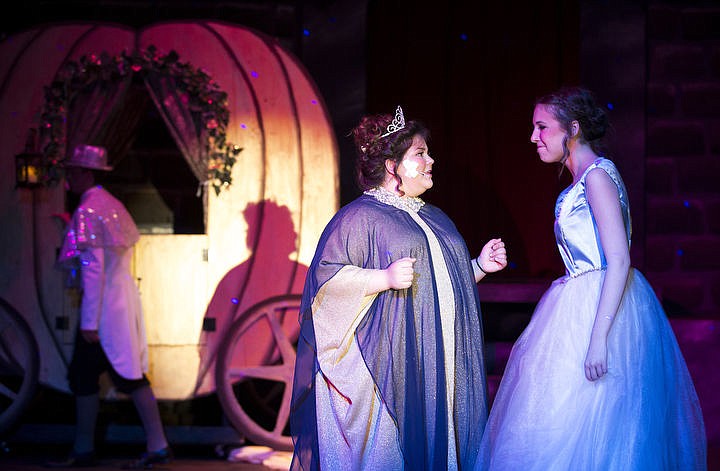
(149, 413)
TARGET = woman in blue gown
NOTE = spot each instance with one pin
(597, 380)
(390, 372)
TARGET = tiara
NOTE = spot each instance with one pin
(397, 124)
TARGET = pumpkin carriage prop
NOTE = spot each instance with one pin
(220, 302)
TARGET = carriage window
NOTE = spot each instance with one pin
(154, 182)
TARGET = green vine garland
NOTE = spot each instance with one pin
(206, 102)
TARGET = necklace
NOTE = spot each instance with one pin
(407, 203)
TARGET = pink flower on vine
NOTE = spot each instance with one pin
(136, 67)
(212, 124)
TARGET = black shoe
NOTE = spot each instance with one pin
(75, 460)
(151, 458)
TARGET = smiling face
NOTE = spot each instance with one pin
(415, 169)
(547, 134)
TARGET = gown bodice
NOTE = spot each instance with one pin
(576, 233)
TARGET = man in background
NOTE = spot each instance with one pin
(111, 336)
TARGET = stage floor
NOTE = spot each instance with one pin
(187, 458)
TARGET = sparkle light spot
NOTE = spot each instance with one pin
(243, 125)
(234, 300)
(610, 106)
(254, 74)
(306, 32)
(463, 36)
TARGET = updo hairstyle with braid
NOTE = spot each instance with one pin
(578, 104)
(373, 150)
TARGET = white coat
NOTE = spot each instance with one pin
(101, 235)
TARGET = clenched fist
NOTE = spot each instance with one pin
(400, 273)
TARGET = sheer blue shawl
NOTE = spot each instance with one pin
(400, 337)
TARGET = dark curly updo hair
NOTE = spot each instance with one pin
(578, 104)
(373, 150)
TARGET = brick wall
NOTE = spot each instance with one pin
(682, 168)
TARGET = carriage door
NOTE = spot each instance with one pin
(171, 272)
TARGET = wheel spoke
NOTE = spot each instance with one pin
(275, 372)
(10, 365)
(5, 347)
(284, 412)
(7, 392)
(286, 349)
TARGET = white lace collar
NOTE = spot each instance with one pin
(407, 203)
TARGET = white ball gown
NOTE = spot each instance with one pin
(643, 415)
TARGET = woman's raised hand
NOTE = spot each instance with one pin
(493, 256)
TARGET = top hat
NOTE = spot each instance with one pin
(92, 157)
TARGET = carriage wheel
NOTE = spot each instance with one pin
(254, 371)
(19, 366)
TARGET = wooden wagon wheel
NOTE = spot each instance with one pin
(254, 371)
(19, 366)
